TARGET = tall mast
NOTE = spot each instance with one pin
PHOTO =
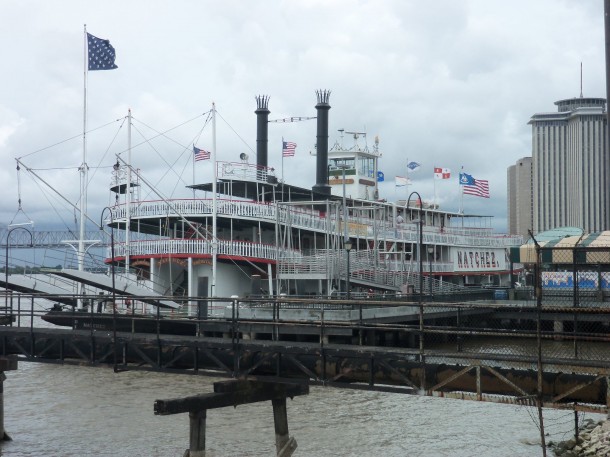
(83, 167)
(128, 193)
(214, 203)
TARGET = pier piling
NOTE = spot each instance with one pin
(284, 444)
(233, 393)
(196, 434)
(6, 364)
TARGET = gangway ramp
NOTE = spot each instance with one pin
(57, 289)
(122, 286)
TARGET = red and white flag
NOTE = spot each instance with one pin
(442, 173)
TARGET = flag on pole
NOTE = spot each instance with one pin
(201, 154)
(401, 181)
(101, 54)
(480, 188)
(442, 173)
(466, 179)
(288, 148)
(412, 166)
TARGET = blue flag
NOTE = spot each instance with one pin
(412, 166)
(101, 54)
(466, 179)
(380, 176)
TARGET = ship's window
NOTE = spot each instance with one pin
(366, 167)
(338, 164)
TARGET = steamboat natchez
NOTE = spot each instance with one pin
(252, 234)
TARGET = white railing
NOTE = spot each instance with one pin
(244, 172)
(319, 263)
(364, 267)
(303, 218)
(197, 247)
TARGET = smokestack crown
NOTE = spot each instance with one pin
(262, 103)
(323, 97)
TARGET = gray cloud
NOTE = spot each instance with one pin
(444, 83)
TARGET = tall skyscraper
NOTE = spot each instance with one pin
(520, 205)
(571, 166)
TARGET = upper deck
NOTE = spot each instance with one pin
(152, 214)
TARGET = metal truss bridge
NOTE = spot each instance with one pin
(47, 238)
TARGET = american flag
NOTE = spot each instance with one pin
(201, 154)
(480, 188)
(288, 148)
(101, 54)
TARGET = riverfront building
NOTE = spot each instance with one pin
(520, 205)
(570, 166)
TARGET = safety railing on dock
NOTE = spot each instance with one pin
(443, 331)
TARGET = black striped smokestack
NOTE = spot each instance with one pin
(262, 129)
(322, 107)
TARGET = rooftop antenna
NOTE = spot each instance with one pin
(580, 79)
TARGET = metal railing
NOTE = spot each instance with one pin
(304, 218)
(168, 247)
(484, 350)
(455, 331)
(366, 266)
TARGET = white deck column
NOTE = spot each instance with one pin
(190, 285)
(153, 274)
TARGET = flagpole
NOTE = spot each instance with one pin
(193, 158)
(461, 199)
(434, 181)
(102, 58)
(407, 186)
(214, 204)
(461, 191)
(83, 170)
(282, 160)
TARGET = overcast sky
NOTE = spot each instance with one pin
(445, 83)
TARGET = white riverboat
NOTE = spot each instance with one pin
(252, 234)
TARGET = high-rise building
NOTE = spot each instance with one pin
(571, 166)
(520, 206)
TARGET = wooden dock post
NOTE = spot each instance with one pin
(233, 393)
(284, 444)
(196, 434)
(6, 364)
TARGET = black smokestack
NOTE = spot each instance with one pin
(322, 107)
(262, 129)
